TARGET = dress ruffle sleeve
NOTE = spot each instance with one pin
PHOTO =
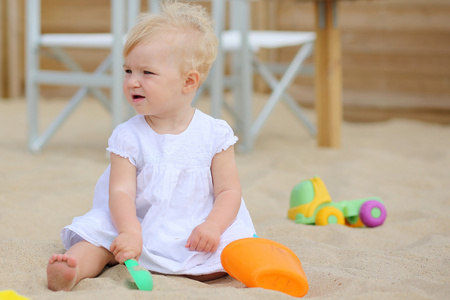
(224, 136)
(124, 143)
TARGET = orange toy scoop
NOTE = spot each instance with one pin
(258, 262)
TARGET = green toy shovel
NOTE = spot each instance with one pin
(142, 277)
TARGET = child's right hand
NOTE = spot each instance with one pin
(127, 245)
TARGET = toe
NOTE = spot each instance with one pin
(71, 262)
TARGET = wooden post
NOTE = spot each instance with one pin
(14, 56)
(2, 85)
(328, 81)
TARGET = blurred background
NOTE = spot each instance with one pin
(395, 53)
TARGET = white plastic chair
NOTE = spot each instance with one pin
(245, 45)
(122, 17)
(231, 42)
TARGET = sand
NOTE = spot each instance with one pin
(405, 162)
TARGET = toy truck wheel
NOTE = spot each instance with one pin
(329, 215)
(354, 222)
(372, 213)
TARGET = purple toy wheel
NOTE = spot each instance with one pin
(372, 213)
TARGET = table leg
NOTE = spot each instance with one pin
(328, 78)
(241, 12)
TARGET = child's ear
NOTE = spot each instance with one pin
(191, 82)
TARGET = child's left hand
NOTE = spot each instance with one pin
(204, 238)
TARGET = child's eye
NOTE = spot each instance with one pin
(148, 72)
(127, 71)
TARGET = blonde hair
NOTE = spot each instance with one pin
(190, 25)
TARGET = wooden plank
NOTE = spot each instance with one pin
(415, 2)
(395, 41)
(400, 64)
(386, 15)
(76, 16)
(305, 95)
(297, 15)
(384, 99)
(371, 15)
(409, 84)
(399, 83)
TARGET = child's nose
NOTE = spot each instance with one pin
(133, 81)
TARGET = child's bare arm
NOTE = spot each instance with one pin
(122, 193)
(227, 193)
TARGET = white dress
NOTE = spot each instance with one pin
(174, 194)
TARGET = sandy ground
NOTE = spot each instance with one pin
(406, 163)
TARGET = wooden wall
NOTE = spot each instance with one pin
(396, 53)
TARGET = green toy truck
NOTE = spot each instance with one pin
(311, 204)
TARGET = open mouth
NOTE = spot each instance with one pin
(137, 97)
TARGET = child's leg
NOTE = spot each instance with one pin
(207, 277)
(82, 260)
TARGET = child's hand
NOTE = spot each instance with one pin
(204, 238)
(127, 245)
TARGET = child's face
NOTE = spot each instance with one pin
(153, 82)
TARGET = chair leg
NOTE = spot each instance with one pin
(37, 142)
(35, 77)
(33, 29)
(32, 92)
(240, 10)
(273, 82)
(72, 65)
(218, 68)
(42, 139)
(280, 88)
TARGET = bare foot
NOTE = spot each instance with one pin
(61, 272)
